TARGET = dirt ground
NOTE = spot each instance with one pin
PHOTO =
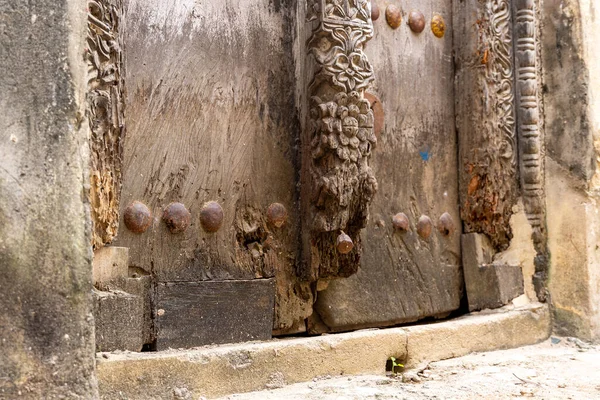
(560, 368)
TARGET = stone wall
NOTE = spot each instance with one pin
(46, 326)
(572, 115)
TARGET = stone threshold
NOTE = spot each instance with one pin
(226, 369)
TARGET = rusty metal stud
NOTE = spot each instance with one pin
(416, 21)
(438, 26)
(374, 10)
(137, 217)
(344, 244)
(424, 227)
(211, 216)
(277, 215)
(400, 222)
(177, 217)
(446, 225)
(393, 16)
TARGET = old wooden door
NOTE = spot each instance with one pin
(411, 262)
(211, 131)
(210, 208)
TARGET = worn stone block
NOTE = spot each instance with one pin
(110, 265)
(488, 285)
(141, 285)
(252, 366)
(119, 321)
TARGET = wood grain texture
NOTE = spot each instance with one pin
(402, 277)
(211, 117)
(105, 114)
(486, 118)
(198, 313)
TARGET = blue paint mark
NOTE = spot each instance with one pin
(425, 155)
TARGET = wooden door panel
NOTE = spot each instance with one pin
(211, 117)
(404, 277)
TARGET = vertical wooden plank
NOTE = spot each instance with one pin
(485, 117)
(338, 183)
(105, 113)
(531, 134)
(211, 117)
(404, 277)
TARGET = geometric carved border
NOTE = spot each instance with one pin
(531, 145)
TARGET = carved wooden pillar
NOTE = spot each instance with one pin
(485, 117)
(498, 120)
(337, 182)
(105, 115)
(530, 133)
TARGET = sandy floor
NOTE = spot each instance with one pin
(560, 368)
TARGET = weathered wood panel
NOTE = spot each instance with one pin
(486, 118)
(404, 277)
(105, 113)
(211, 117)
(198, 313)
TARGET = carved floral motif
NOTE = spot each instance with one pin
(349, 11)
(341, 136)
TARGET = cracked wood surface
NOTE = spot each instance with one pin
(403, 277)
(211, 118)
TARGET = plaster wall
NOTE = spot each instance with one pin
(521, 250)
(591, 33)
(572, 114)
(46, 326)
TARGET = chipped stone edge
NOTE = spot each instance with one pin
(222, 370)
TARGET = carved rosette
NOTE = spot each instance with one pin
(341, 136)
(105, 116)
(530, 134)
(492, 165)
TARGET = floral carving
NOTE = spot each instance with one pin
(343, 60)
(348, 10)
(341, 137)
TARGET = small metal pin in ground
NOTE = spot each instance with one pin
(177, 217)
(137, 217)
(211, 216)
(344, 244)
